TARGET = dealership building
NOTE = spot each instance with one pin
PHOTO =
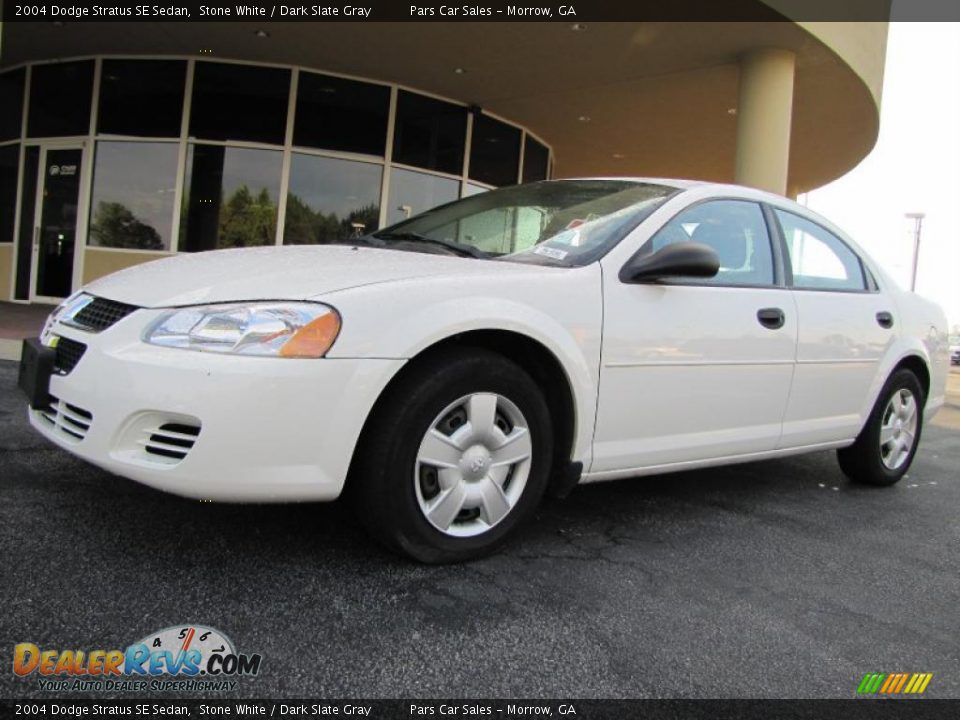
(125, 142)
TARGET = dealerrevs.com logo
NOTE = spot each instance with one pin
(179, 658)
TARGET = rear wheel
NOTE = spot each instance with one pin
(456, 457)
(886, 446)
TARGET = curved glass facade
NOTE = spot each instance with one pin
(190, 154)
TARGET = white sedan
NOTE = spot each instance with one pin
(448, 371)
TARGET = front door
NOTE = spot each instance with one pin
(696, 370)
(55, 222)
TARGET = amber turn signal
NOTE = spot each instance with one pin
(313, 339)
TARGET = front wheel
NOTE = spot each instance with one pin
(886, 446)
(457, 455)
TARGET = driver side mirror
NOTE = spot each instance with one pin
(679, 260)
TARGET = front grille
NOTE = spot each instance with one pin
(170, 442)
(68, 355)
(68, 421)
(100, 314)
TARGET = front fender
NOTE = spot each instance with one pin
(561, 311)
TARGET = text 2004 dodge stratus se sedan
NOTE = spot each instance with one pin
(448, 371)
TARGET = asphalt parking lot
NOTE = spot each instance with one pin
(776, 579)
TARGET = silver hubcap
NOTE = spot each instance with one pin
(898, 430)
(473, 464)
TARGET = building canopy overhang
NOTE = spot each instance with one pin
(645, 98)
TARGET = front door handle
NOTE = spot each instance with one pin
(885, 319)
(772, 318)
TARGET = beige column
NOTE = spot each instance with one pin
(763, 119)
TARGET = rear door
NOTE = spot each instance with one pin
(845, 328)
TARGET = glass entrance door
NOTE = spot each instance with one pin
(55, 232)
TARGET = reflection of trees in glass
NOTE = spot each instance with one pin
(305, 226)
(246, 219)
(114, 225)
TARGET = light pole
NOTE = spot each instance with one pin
(917, 218)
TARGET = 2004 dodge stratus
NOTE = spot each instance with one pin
(448, 371)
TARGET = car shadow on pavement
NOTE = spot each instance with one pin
(308, 534)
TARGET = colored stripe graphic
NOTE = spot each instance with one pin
(871, 683)
(865, 683)
(888, 683)
(903, 679)
(894, 683)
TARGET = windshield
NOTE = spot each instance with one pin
(559, 222)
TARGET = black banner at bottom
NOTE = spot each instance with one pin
(854, 709)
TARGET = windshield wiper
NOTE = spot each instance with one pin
(461, 249)
(360, 240)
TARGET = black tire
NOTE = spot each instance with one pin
(862, 461)
(382, 482)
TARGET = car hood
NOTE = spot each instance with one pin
(275, 273)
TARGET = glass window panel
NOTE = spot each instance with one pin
(820, 260)
(411, 193)
(502, 230)
(735, 229)
(57, 236)
(338, 114)
(230, 197)
(569, 222)
(494, 152)
(239, 102)
(429, 133)
(11, 104)
(60, 97)
(9, 169)
(28, 197)
(470, 190)
(535, 159)
(141, 97)
(133, 195)
(331, 199)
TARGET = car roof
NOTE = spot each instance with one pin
(680, 184)
(706, 188)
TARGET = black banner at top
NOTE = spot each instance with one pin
(571, 11)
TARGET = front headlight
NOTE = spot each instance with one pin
(274, 329)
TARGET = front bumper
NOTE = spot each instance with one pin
(266, 429)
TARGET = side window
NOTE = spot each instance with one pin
(735, 229)
(820, 260)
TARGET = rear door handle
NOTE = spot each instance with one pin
(772, 318)
(885, 319)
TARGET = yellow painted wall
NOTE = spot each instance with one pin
(861, 45)
(98, 262)
(6, 271)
